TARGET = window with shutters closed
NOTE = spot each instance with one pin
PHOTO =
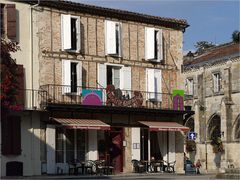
(153, 44)
(113, 38)
(8, 21)
(154, 84)
(71, 37)
(11, 135)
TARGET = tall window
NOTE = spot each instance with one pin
(81, 135)
(113, 76)
(71, 76)
(69, 145)
(189, 86)
(216, 82)
(113, 38)
(70, 28)
(153, 44)
(59, 145)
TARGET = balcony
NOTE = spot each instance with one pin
(108, 97)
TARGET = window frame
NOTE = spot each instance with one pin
(158, 45)
(190, 86)
(215, 79)
(78, 34)
(118, 28)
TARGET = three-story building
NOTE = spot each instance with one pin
(104, 80)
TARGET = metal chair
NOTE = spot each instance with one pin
(137, 166)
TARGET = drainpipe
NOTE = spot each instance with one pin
(31, 48)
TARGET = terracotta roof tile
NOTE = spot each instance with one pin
(179, 24)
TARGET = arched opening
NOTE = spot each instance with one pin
(190, 123)
(237, 128)
(214, 127)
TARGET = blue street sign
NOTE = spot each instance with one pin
(192, 135)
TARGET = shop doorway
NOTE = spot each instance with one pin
(116, 149)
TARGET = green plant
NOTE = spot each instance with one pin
(217, 144)
(190, 146)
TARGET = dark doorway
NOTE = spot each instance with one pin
(115, 147)
(14, 168)
(144, 144)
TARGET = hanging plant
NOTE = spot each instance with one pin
(217, 145)
(190, 146)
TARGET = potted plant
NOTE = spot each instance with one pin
(217, 144)
(190, 145)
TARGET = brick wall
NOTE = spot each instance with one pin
(93, 50)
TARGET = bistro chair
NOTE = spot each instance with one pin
(170, 167)
(89, 167)
(138, 167)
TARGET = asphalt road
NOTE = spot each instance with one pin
(125, 177)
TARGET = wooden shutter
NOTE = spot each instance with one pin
(149, 44)
(66, 76)
(78, 27)
(102, 76)
(79, 77)
(158, 84)
(16, 135)
(66, 32)
(11, 135)
(110, 34)
(11, 21)
(6, 136)
(102, 80)
(150, 84)
(125, 78)
(160, 45)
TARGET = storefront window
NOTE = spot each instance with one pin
(59, 145)
(69, 145)
(81, 135)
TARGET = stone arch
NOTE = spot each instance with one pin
(190, 123)
(214, 126)
(236, 127)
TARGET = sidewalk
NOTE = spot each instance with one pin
(120, 176)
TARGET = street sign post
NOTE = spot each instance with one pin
(192, 136)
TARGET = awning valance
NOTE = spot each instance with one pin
(164, 126)
(82, 123)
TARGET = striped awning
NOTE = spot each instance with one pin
(164, 126)
(81, 123)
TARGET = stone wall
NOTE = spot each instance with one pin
(225, 104)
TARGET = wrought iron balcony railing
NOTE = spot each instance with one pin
(60, 94)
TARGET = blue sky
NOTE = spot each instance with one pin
(209, 20)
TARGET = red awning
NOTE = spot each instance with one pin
(164, 126)
(82, 123)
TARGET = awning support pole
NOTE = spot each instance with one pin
(149, 146)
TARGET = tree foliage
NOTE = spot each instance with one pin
(236, 36)
(202, 46)
(9, 73)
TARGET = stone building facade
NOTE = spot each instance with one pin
(71, 51)
(212, 81)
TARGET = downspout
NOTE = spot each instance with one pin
(31, 44)
(31, 75)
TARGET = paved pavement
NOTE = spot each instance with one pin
(126, 176)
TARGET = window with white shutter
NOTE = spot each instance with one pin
(153, 44)
(70, 33)
(71, 76)
(112, 38)
(154, 84)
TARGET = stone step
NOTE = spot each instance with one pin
(233, 170)
(228, 176)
